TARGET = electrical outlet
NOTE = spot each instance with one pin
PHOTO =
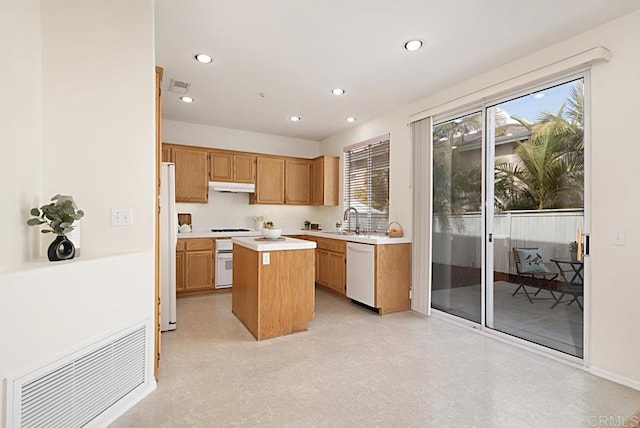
(121, 216)
(618, 237)
(266, 258)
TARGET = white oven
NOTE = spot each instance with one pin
(224, 263)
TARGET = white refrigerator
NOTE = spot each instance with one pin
(168, 241)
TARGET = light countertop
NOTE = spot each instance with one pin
(378, 239)
(279, 245)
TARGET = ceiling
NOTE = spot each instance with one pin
(273, 59)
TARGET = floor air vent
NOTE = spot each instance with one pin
(74, 392)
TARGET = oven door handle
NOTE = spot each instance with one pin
(225, 256)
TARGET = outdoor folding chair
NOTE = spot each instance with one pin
(533, 272)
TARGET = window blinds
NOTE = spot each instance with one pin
(367, 185)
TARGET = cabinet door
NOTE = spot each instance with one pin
(322, 267)
(192, 181)
(269, 181)
(298, 178)
(166, 153)
(325, 180)
(180, 271)
(221, 166)
(317, 182)
(199, 267)
(337, 267)
(244, 169)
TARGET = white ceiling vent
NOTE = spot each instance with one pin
(179, 87)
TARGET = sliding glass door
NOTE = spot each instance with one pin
(508, 216)
(457, 217)
(536, 151)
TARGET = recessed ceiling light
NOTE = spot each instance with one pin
(337, 91)
(413, 45)
(203, 58)
(351, 119)
(186, 99)
(295, 119)
(538, 95)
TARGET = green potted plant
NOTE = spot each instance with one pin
(307, 224)
(573, 250)
(59, 216)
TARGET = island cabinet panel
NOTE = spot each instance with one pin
(244, 303)
(269, 181)
(393, 277)
(287, 302)
(277, 298)
(192, 178)
(298, 182)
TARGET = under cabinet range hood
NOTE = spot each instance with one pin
(223, 186)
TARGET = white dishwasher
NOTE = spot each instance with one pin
(360, 273)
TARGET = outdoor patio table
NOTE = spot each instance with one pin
(571, 271)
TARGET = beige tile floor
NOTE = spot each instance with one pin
(354, 368)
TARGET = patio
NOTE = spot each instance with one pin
(560, 328)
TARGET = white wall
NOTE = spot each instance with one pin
(80, 116)
(52, 309)
(233, 139)
(233, 210)
(98, 112)
(20, 133)
(615, 89)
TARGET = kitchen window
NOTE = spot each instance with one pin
(366, 185)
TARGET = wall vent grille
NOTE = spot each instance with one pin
(74, 392)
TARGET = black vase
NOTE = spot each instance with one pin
(61, 249)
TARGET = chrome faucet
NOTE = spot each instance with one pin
(346, 218)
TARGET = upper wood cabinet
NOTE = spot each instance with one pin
(278, 180)
(269, 181)
(244, 169)
(221, 167)
(232, 167)
(298, 181)
(192, 168)
(325, 182)
(166, 153)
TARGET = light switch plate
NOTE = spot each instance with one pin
(266, 258)
(121, 216)
(618, 237)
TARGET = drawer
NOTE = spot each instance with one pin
(182, 244)
(335, 245)
(199, 244)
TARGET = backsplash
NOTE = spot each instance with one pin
(229, 210)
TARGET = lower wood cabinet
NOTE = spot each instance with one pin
(331, 264)
(180, 271)
(195, 265)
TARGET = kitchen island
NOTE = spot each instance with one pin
(273, 285)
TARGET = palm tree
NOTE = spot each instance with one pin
(548, 171)
(456, 186)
